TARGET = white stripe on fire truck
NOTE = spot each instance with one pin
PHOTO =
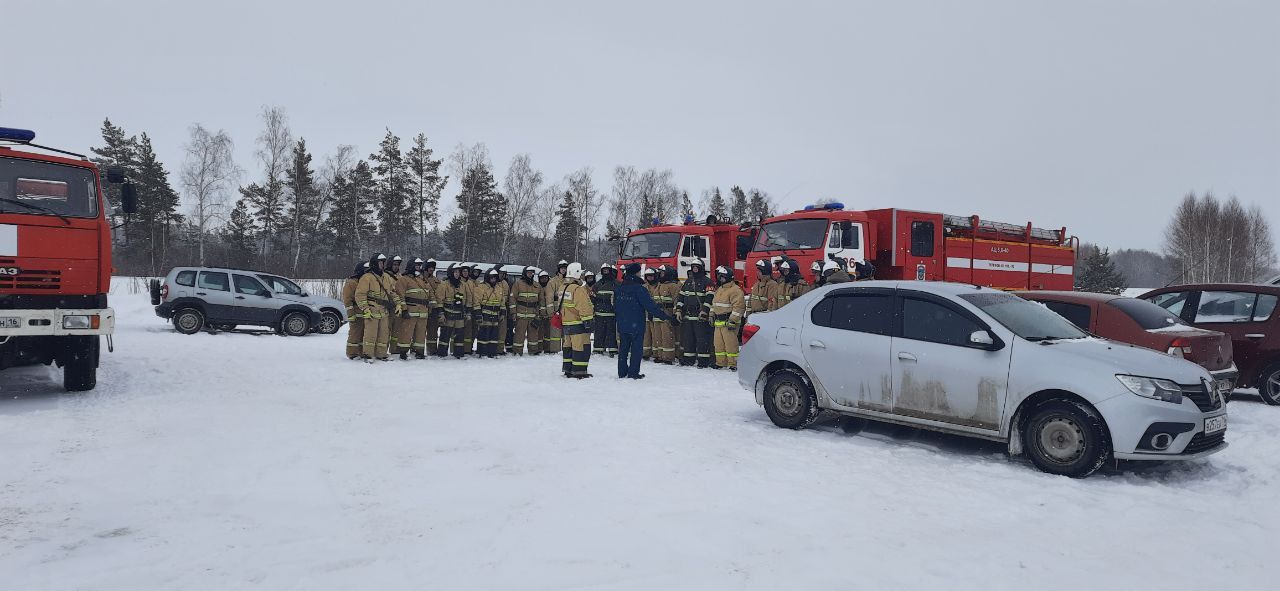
(8, 240)
(1014, 266)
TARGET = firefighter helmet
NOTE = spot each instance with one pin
(573, 271)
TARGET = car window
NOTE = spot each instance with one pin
(1172, 301)
(211, 280)
(281, 285)
(248, 285)
(1029, 320)
(185, 278)
(1225, 306)
(1266, 305)
(1148, 315)
(929, 321)
(870, 313)
(1078, 314)
(922, 239)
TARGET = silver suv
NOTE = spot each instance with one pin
(981, 363)
(221, 298)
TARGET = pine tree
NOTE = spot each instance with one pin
(1098, 273)
(118, 150)
(157, 206)
(716, 205)
(425, 183)
(760, 207)
(475, 233)
(301, 198)
(351, 218)
(739, 209)
(391, 174)
(686, 207)
(238, 236)
(568, 228)
(647, 211)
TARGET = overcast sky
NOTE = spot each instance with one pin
(1093, 115)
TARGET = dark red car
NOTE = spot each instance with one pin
(1245, 311)
(1142, 323)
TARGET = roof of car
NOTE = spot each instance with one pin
(1253, 287)
(1071, 296)
(935, 287)
(213, 268)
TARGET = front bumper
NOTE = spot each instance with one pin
(1230, 375)
(50, 322)
(1129, 417)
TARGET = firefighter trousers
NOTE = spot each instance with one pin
(527, 325)
(355, 332)
(606, 342)
(393, 329)
(664, 345)
(695, 338)
(648, 339)
(487, 342)
(433, 332)
(450, 340)
(551, 338)
(411, 334)
(726, 346)
(504, 335)
(376, 337)
(576, 354)
(469, 335)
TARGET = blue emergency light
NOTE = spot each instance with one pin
(17, 135)
(808, 208)
(688, 219)
(834, 205)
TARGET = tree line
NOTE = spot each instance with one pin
(296, 215)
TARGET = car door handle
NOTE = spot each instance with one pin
(201, 293)
(817, 344)
(239, 297)
(904, 356)
(1255, 336)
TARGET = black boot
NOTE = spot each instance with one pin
(404, 356)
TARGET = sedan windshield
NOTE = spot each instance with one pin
(43, 188)
(791, 234)
(1148, 315)
(652, 245)
(1029, 320)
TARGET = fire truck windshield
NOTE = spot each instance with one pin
(791, 234)
(652, 245)
(43, 188)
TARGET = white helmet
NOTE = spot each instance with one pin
(816, 266)
(829, 267)
(574, 271)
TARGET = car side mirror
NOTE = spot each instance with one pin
(983, 339)
(266, 294)
(129, 198)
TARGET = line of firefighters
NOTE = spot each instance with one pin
(413, 312)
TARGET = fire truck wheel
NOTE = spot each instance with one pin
(188, 321)
(295, 324)
(80, 369)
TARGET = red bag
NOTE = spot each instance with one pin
(556, 321)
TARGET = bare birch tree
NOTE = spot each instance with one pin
(544, 218)
(588, 202)
(522, 187)
(1214, 241)
(274, 144)
(208, 172)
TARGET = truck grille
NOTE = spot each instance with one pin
(32, 279)
(1200, 395)
(1201, 442)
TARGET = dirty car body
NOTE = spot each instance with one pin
(964, 360)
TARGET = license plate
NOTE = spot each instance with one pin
(1214, 424)
(10, 322)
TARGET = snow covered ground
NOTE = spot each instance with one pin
(237, 461)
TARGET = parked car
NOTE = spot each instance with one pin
(222, 298)
(1244, 311)
(981, 363)
(1142, 323)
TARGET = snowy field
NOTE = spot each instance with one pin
(241, 461)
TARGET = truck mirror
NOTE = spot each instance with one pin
(129, 198)
(115, 174)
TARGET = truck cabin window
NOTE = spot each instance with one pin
(921, 239)
(791, 234)
(43, 188)
(694, 246)
(843, 235)
(656, 244)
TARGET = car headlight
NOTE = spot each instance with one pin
(80, 321)
(1152, 388)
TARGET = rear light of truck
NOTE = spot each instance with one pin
(1180, 347)
(748, 331)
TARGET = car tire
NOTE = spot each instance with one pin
(80, 370)
(1269, 385)
(188, 321)
(295, 324)
(790, 401)
(330, 322)
(1066, 438)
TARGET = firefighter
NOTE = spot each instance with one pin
(650, 284)
(507, 325)
(555, 289)
(412, 325)
(470, 280)
(453, 309)
(863, 270)
(606, 337)
(691, 314)
(793, 284)
(577, 316)
(816, 269)
(764, 294)
(491, 299)
(355, 318)
(433, 313)
(525, 305)
(664, 339)
(375, 298)
(832, 273)
(727, 309)
(393, 272)
(544, 313)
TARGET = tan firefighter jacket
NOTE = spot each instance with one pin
(577, 310)
(375, 295)
(413, 290)
(349, 298)
(728, 305)
(453, 303)
(526, 300)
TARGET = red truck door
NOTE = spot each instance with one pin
(919, 247)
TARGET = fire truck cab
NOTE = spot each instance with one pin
(711, 242)
(916, 245)
(55, 259)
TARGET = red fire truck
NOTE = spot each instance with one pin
(905, 244)
(712, 242)
(55, 258)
